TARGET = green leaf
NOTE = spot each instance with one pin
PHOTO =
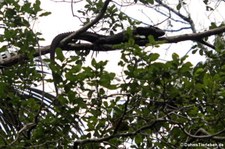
(198, 71)
(151, 40)
(93, 62)
(36, 6)
(138, 139)
(151, 1)
(59, 54)
(175, 57)
(178, 6)
(45, 14)
(154, 56)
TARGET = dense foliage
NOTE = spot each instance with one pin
(151, 103)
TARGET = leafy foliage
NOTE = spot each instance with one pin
(152, 103)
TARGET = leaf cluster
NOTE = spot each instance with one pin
(150, 103)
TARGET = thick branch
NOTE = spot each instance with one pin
(194, 36)
(108, 47)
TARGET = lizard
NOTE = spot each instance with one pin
(97, 39)
(122, 36)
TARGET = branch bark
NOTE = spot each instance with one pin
(107, 47)
(194, 36)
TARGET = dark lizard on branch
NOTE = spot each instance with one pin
(122, 36)
(99, 39)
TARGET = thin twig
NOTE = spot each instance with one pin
(88, 25)
(207, 134)
(118, 125)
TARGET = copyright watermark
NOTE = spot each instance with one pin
(201, 145)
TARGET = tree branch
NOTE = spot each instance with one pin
(187, 19)
(118, 125)
(108, 47)
(194, 36)
(207, 134)
(176, 12)
(88, 25)
(25, 128)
